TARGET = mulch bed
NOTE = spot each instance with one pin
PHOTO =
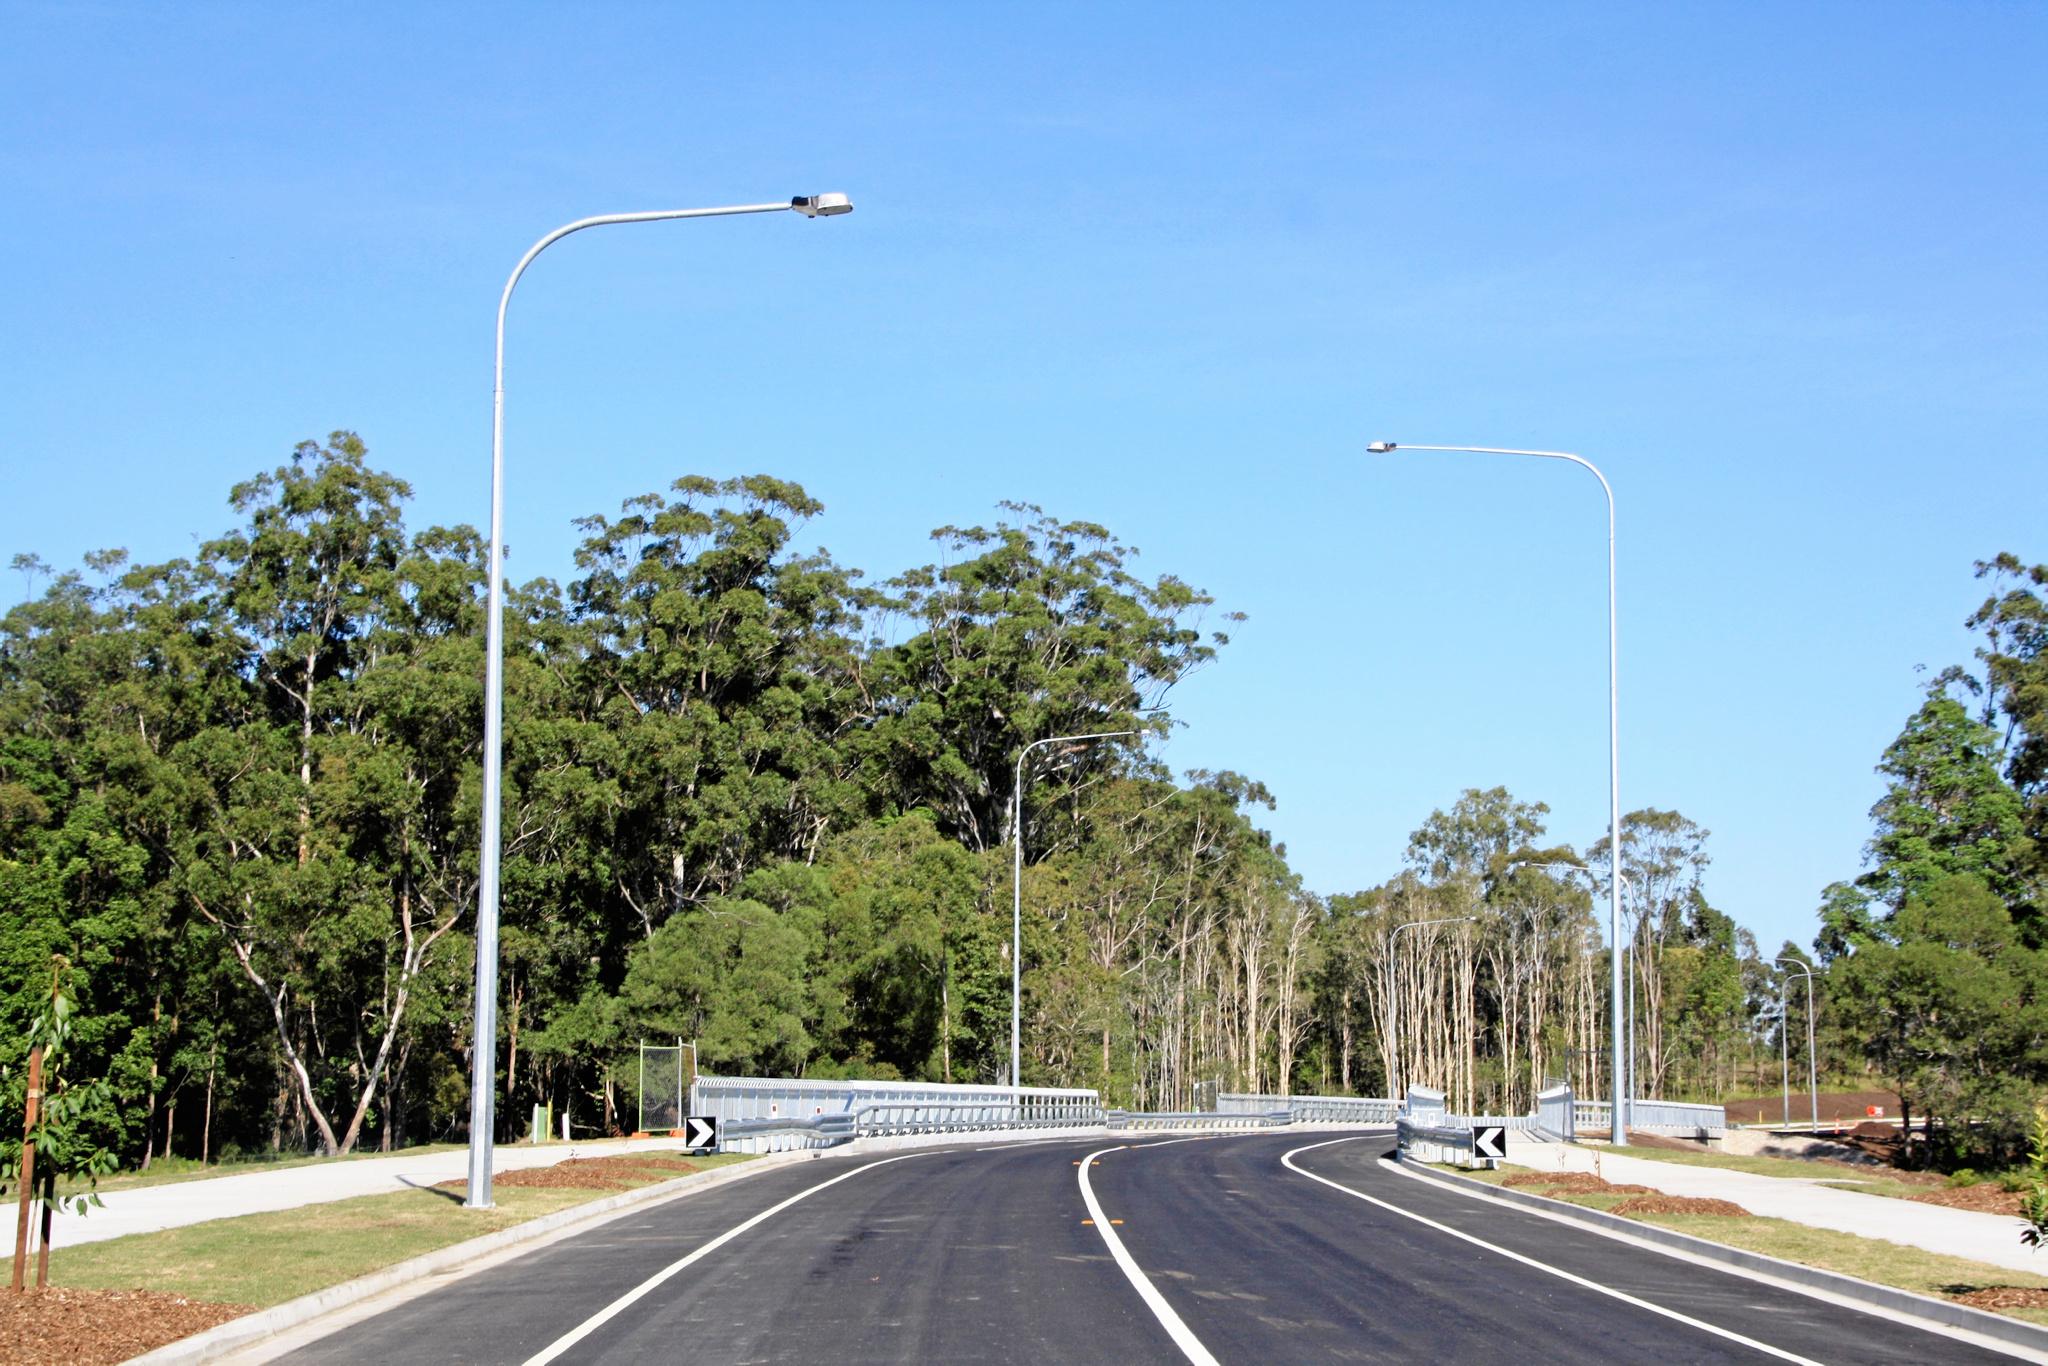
(2003, 1297)
(1986, 1197)
(91, 1327)
(1678, 1204)
(596, 1173)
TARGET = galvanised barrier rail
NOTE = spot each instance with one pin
(1196, 1119)
(764, 1111)
(1658, 1116)
(1438, 1140)
(1556, 1115)
(1313, 1109)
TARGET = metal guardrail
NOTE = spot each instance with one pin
(1439, 1141)
(1313, 1109)
(1659, 1116)
(897, 1118)
(1127, 1120)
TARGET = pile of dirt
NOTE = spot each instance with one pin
(1574, 1183)
(91, 1327)
(2003, 1297)
(621, 1172)
(1678, 1204)
(1876, 1128)
(1986, 1197)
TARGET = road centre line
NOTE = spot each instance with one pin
(1287, 1161)
(1183, 1336)
(612, 1310)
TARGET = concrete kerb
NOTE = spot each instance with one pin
(1828, 1284)
(252, 1329)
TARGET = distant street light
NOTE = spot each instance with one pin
(1792, 965)
(1017, 892)
(1613, 747)
(484, 1055)
(1393, 1018)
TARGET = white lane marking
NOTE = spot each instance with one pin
(1761, 1277)
(610, 1311)
(1287, 1161)
(1183, 1337)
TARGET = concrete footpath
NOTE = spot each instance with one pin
(148, 1209)
(1991, 1238)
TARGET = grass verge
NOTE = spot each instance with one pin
(1867, 1259)
(264, 1259)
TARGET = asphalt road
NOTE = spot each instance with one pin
(987, 1255)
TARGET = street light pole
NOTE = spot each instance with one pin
(484, 1053)
(1812, 1067)
(1620, 1134)
(1017, 894)
(1393, 1018)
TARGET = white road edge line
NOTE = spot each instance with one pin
(1812, 1292)
(1287, 1161)
(1183, 1336)
(610, 1311)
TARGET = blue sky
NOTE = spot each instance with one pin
(1777, 269)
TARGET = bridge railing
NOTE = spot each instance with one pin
(773, 1114)
(1313, 1109)
(1129, 1120)
(1678, 1118)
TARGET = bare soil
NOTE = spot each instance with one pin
(1835, 1106)
(597, 1173)
(1678, 1204)
(92, 1327)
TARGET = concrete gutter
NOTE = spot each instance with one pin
(1811, 1280)
(456, 1259)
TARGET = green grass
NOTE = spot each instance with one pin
(1867, 1259)
(265, 1259)
(1789, 1167)
(171, 1170)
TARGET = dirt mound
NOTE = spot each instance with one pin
(90, 1327)
(596, 1173)
(1574, 1183)
(1678, 1204)
(1875, 1128)
(2004, 1297)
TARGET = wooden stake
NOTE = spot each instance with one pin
(28, 1162)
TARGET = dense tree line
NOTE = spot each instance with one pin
(1936, 957)
(753, 799)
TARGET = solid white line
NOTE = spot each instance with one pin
(1183, 1336)
(1287, 1161)
(610, 1311)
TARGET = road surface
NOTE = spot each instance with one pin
(1234, 1248)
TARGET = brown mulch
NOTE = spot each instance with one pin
(1986, 1197)
(92, 1327)
(1677, 1204)
(1575, 1183)
(597, 1173)
(2003, 1297)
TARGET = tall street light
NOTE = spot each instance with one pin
(1620, 1134)
(1792, 965)
(1393, 1018)
(1017, 892)
(483, 1059)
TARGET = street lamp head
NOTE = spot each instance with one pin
(1380, 447)
(821, 205)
